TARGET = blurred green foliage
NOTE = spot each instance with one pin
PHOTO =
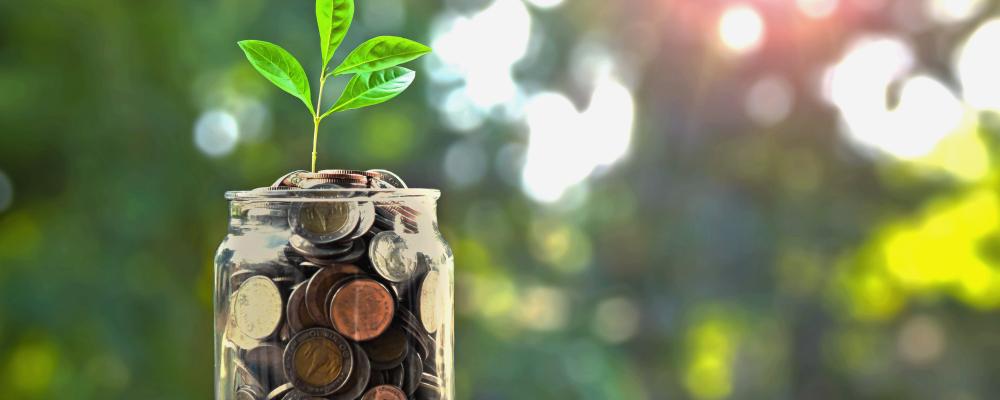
(719, 259)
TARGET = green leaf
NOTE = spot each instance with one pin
(334, 19)
(368, 89)
(279, 67)
(380, 53)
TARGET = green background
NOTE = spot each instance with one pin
(718, 258)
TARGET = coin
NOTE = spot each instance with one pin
(266, 363)
(324, 222)
(389, 349)
(299, 395)
(387, 377)
(391, 257)
(257, 308)
(427, 391)
(279, 392)
(358, 381)
(356, 250)
(366, 219)
(391, 178)
(318, 361)
(413, 368)
(289, 179)
(318, 287)
(234, 334)
(309, 249)
(385, 392)
(249, 393)
(362, 309)
(424, 343)
(430, 302)
(297, 316)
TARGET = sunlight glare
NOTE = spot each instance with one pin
(859, 83)
(978, 67)
(566, 145)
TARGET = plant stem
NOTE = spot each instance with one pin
(316, 117)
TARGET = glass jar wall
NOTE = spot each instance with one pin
(334, 294)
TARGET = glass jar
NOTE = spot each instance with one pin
(334, 294)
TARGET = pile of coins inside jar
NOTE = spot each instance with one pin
(351, 308)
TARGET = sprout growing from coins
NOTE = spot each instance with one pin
(377, 76)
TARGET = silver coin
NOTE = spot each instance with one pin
(299, 395)
(249, 393)
(309, 249)
(356, 385)
(234, 335)
(281, 181)
(390, 177)
(392, 258)
(280, 392)
(431, 302)
(366, 211)
(257, 308)
(324, 222)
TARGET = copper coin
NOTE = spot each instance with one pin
(318, 361)
(362, 309)
(257, 308)
(324, 222)
(320, 285)
(358, 381)
(385, 392)
(298, 317)
(389, 349)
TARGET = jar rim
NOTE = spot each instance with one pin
(345, 194)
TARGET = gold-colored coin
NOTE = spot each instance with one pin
(318, 361)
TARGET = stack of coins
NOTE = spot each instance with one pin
(356, 314)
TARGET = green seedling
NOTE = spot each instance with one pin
(377, 76)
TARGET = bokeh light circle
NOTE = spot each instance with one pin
(769, 100)
(216, 133)
(950, 11)
(741, 29)
(465, 163)
(817, 8)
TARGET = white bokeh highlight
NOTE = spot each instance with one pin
(741, 29)
(951, 11)
(566, 145)
(769, 100)
(858, 85)
(468, 53)
(978, 67)
(216, 133)
(817, 8)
